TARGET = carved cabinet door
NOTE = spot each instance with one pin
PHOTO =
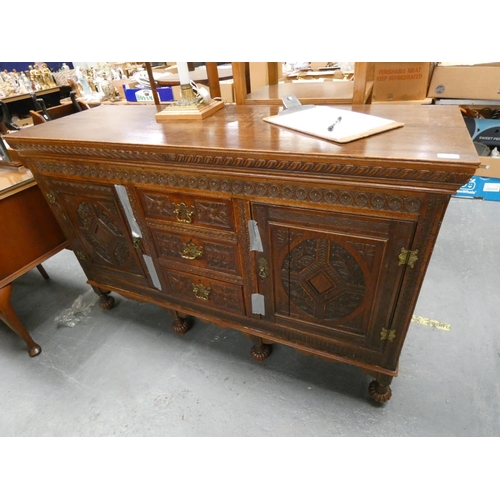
(98, 231)
(335, 276)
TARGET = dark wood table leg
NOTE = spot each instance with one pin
(43, 272)
(9, 317)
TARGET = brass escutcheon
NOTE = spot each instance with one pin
(263, 268)
(200, 292)
(184, 213)
(191, 251)
(138, 244)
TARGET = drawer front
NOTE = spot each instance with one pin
(187, 209)
(196, 251)
(203, 292)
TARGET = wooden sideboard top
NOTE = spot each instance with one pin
(429, 133)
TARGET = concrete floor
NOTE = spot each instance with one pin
(125, 373)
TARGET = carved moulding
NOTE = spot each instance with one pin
(285, 190)
(232, 162)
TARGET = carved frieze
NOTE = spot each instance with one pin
(234, 162)
(286, 190)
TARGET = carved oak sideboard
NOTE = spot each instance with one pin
(282, 236)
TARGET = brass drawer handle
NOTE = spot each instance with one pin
(200, 292)
(191, 251)
(184, 213)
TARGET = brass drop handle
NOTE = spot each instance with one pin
(191, 251)
(183, 213)
(201, 292)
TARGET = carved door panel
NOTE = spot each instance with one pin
(101, 238)
(334, 276)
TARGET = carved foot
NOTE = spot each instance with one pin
(260, 352)
(34, 350)
(181, 325)
(380, 393)
(106, 301)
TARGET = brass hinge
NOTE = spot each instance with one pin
(389, 335)
(407, 257)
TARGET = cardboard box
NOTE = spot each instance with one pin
(259, 75)
(227, 90)
(490, 167)
(485, 188)
(139, 94)
(465, 82)
(401, 81)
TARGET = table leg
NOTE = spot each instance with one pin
(9, 317)
(42, 271)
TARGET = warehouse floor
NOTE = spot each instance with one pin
(123, 372)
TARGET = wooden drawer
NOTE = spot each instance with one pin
(187, 209)
(196, 251)
(204, 292)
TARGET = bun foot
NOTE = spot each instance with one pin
(34, 350)
(106, 301)
(379, 393)
(260, 352)
(181, 325)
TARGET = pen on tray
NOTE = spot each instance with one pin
(332, 126)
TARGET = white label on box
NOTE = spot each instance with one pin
(491, 188)
(448, 156)
(144, 95)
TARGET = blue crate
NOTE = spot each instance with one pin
(485, 188)
(143, 94)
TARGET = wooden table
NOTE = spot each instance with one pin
(30, 235)
(285, 237)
